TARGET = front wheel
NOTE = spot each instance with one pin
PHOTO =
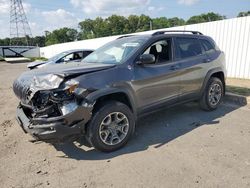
(111, 126)
(212, 95)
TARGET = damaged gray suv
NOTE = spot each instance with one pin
(102, 97)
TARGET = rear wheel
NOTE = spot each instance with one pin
(111, 126)
(212, 95)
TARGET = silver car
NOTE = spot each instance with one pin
(64, 57)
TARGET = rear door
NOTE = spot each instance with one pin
(210, 48)
(192, 60)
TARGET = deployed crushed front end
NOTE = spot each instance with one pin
(51, 109)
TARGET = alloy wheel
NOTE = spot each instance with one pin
(215, 94)
(114, 128)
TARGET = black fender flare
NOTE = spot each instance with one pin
(94, 96)
(208, 76)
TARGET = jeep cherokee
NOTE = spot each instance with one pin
(102, 97)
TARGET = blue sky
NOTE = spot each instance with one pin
(52, 14)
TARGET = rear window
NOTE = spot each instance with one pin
(207, 45)
(187, 47)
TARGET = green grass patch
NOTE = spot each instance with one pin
(1, 58)
(239, 90)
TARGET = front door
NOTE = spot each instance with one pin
(157, 83)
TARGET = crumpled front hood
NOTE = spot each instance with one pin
(70, 69)
(28, 83)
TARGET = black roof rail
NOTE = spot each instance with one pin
(176, 31)
(124, 36)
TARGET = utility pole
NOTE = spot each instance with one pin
(19, 26)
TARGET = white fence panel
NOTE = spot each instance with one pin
(231, 35)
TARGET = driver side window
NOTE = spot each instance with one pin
(161, 50)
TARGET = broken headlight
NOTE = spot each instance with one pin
(65, 99)
(59, 96)
(62, 95)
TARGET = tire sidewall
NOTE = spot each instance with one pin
(94, 125)
(211, 82)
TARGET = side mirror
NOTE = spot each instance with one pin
(146, 59)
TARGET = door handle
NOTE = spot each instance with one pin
(174, 67)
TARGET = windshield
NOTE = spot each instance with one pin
(117, 51)
(58, 56)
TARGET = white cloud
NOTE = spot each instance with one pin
(155, 9)
(188, 2)
(59, 18)
(26, 7)
(5, 7)
(151, 8)
(4, 32)
(108, 7)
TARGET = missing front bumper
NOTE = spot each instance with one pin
(56, 129)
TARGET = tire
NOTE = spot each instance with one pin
(103, 131)
(213, 94)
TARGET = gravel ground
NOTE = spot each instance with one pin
(178, 147)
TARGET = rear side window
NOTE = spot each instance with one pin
(86, 53)
(207, 45)
(187, 47)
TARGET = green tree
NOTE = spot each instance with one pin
(5, 42)
(161, 22)
(60, 36)
(176, 22)
(101, 28)
(243, 14)
(38, 41)
(143, 23)
(211, 16)
(86, 27)
(113, 25)
(94, 28)
(117, 24)
(133, 23)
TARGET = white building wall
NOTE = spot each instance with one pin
(231, 35)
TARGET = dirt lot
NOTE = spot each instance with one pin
(179, 147)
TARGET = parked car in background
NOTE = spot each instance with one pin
(64, 57)
(103, 97)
